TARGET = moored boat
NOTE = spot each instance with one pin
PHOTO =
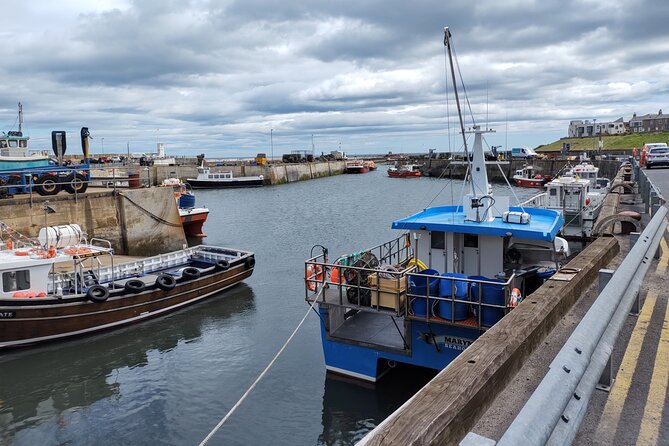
(528, 177)
(356, 166)
(14, 151)
(405, 171)
(425, 296)
(206, 179)
(58, 287)
(371, 165)
(192, 217)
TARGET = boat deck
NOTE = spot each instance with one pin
(332, 296)
(372, 328)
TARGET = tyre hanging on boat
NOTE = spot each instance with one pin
(223, 264)
(97, 293)
(134, 286)
(250, 262)
(166, 282)
(190, 273)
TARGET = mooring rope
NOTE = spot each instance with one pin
(262, 374)
(150, 214)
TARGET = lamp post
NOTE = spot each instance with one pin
(594, 121)
(103, 145)
(271, 142)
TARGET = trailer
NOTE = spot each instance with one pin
(50, 179)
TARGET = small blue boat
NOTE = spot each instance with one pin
(14, 152)
(425, 296)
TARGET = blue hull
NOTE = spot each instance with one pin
(24, 164)
(368, 362)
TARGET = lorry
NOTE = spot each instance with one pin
(523, 152)
(52, 178)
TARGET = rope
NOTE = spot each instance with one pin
(154, 216)
(262, 374)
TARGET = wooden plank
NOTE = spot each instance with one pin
(450, 405)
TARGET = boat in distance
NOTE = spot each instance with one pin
(192, 217)
(216, 180)
(405, 171)
(64, 291)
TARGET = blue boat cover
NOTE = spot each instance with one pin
(544, 223)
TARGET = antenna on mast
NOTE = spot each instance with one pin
(20, 118)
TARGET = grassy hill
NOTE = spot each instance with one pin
(613, 142)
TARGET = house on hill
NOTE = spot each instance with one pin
(580, 129)
(649, 123)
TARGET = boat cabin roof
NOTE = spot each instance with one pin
(544, 223)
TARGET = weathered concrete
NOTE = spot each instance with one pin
(274, 174)
(105, 215)
(450, 405)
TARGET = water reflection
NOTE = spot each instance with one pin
(42, 383)
(352, 408)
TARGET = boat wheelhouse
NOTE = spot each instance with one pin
(425, 296)
(589, 172)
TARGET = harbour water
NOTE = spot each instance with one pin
(170, 380)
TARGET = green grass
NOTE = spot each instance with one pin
(614, 142)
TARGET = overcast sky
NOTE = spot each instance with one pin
(216, 76)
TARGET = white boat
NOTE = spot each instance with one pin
(589, 172)
(14, 151)
(575, 197)
(206, 179)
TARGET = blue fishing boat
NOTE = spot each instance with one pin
(425, 296)
(14, 152)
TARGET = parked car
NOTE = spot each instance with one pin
(657, 156)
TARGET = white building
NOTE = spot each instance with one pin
(580, 129)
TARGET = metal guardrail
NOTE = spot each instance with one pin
(554, 412)
(651, 195)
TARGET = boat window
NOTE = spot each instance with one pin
(553, 192)
(22, 143)
(12, 143)
(15, 280)
(471, 241)
(438, 240)
(3, 143)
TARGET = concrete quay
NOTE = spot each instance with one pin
(137, 222)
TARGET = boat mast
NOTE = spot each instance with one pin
(447, 43)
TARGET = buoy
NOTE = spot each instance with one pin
(21, 252)
(515, 298)
(51, 252)
(314, 270)
(334, 276)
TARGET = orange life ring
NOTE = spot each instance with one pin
(314, 270)
(21, 252)
(77, 251)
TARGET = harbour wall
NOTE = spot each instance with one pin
(457, 169)
(274, 174)
(139, 222)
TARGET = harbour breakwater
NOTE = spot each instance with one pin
(273, 174)
(457, 168)
(139, 222)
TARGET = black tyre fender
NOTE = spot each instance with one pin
(190, 273)
(76, 183)
(223, 264)
(134, 286)
(250, 262)
(47, 184)
(97, 293)
(166, 282)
